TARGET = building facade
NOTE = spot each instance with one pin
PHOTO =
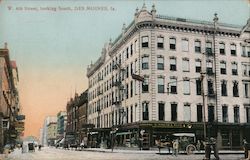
(9, 100)
(77, 118)
(48, 120)
(61, 124)
(52, 133)
(83, 109)
(166, 75)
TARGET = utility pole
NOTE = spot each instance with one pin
(203, 106)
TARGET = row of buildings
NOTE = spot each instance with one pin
(68, 126)
(164, 75)
(11, 119)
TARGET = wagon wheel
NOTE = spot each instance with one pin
(190, 149)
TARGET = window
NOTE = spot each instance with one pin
(131, 114)
(198, 87)
(197, 47)
(236, 114)
(160, 63)
(127, 71)
(244, 69)
(235, 89)
(184, 45)
(131, 49)
(248, 51)
(209, 67)
(160, 42)
(233, 49)
(174, 112)
(234, 69)
(210, 88)
(145, 62)
(136, 46)
(160, 85)
(131, 68)
(145, 85)
(127, 53)
(199, 113)
(185, 65)
(173, 85)
(187, 112)
(145, 111)
(144, 42)
(248, 114)
(210, 113)
(126, 113)
(161, 111)
(127, 90)
(131, 89)
(172, 64)
(243, 53)
(198, 66)
(209, 48)
(222, 48)
(186, 87)
(172, 43)
(224, 88)
(224, 114)
(223, 67)
(246, 89)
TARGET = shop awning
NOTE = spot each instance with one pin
(123, 133)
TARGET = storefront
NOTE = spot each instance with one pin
(144, 134)
(232, 135)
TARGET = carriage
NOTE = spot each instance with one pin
(187, 142)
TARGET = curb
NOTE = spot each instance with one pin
(159, 153)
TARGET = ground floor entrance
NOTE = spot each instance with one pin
(144, 134)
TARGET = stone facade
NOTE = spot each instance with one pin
(177, 59)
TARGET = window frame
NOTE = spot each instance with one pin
(145, 42)
(172, 43)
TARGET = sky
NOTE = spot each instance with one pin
(54, 47)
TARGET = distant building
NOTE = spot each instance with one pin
(148, 82)
(61, 124)
(40, 135)
(48, 120)
(77, 117)
(52, 133)
(82, 111)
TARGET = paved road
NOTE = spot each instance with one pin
(60, 154)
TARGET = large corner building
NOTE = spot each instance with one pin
(165, 75)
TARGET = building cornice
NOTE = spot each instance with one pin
(146, 20)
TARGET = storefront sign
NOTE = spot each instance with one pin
(172, 125)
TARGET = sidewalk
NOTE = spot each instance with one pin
(154, 151)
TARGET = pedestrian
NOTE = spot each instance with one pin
(245, 146)
(215, 148)
(198, 145)
(175, 147)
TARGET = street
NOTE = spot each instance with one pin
(60, 154)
